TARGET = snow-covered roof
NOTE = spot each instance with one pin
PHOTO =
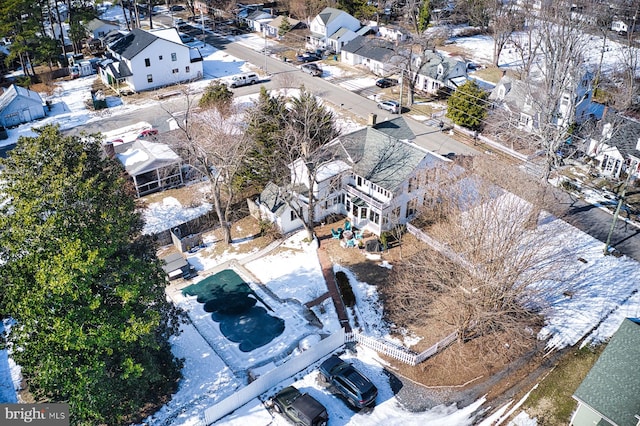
(140, 156)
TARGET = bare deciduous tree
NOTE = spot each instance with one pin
(310, 126)
(215, 145)
(488, 273)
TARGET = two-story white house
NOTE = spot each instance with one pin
(376, 177)
(376, 54)
(617, 147)
(144, 60)
(521, 101)
(437, 71)
(333, 28)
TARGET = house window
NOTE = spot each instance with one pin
(348, 205)
(374, 217)
(411, 208)
(335, 184)
(160, 57)
(147, 62)
(359, 181)
(175, 71)
(149, 78)
(525, 120)
(174, 57)
(292, 215)
(363, 213)
(187, 69)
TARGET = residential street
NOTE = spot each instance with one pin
(584, 216)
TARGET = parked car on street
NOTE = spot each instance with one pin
(176, 8)
(312, 69)
(300, 408)
(242, 79)
(186, 38)
(386, 82)
(392, 106)
(349, 382)
(149, 133)
(308, 57)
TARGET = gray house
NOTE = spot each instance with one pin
(19, 105)
(374, 53)
(610, 394)
(98, 28)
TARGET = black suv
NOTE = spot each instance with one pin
(300, 408)
(353, 385)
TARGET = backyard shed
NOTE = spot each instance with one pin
(19, 105)
(176, 266)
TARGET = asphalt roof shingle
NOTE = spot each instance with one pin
(612, 387)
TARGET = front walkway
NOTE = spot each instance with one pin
(332, 286)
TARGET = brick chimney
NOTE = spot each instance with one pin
(373, 118)
(109, 149)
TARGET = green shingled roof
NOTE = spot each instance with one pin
(612, 387)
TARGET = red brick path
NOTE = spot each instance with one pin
(330, 279)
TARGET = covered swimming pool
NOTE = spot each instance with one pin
(242, 315)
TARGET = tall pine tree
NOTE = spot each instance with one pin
(85, 289)
(468, 105)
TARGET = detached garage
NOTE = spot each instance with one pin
(19, 105)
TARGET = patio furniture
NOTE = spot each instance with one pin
(351, 242)
(347, 235)
(335, 234)
(347, 226)
(359, 235)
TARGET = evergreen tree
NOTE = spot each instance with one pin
(265, 126)
(425, 16)
(468, 105)
(86, 291)
(285, 27)
(216, 95)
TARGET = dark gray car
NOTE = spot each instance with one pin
(300, 408)
(349, 382)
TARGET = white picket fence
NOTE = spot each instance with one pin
(399, 352)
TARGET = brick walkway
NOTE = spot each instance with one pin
(330, 279)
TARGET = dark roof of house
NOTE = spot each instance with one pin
(612, 387)
(433, 60)
(380, 157)
(12, 92)
(371, 48)
(396, 128)
(133, 43)
(270, 198)
(118, 69)
(258, 14)
(96, 23)
(625, 134)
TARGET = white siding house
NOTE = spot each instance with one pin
(333, 28)
(144, 60)
(19, 105)
(377, 178)
(617, 149)
(437, 71)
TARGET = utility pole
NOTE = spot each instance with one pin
(617, 213)
(401, 90)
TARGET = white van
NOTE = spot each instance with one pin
(243, 79)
